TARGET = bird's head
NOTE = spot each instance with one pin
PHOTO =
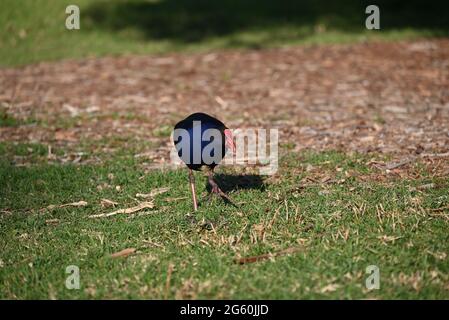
(229, 140)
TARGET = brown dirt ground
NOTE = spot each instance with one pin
(384, 98)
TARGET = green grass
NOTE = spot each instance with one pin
(7, 120)
(34, 30)
(340, 228)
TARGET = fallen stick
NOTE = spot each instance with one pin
(123, 253)
(434, 155)
(153, 193)
(175, 199)
(394, 165)
(265, 256)
(108, 203)
(141, 206)
(439, 215)
(440, 208)
(73, 204)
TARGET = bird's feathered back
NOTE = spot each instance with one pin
(199, 116)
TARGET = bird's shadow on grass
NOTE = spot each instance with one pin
(234, 182)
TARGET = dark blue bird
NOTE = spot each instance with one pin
(201, 142)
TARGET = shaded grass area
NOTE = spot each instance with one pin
(33, 31)
(339, 228)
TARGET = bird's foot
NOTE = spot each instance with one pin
(217, 191)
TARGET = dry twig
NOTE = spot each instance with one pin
(141, 206)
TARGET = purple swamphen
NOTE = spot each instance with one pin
(201, 142)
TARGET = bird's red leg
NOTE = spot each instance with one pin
(215, 188)
(192, 188)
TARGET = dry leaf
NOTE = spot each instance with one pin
(394, 165)
(330, 288)
(123, 253)
(221, 102)
(141, 206)
(73, 204)
(65, 135)
(367, 139)
(426, 186)
(153, 193)
(175, 199)
(386, 238)
(52, 221)
(108, 203)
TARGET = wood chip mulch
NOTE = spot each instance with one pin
(387, 98)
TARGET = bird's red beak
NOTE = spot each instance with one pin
(229, 140)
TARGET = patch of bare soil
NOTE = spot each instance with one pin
(388, 98)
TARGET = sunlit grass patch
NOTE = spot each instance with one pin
(338, 224)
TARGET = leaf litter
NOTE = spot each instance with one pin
(378, 97)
